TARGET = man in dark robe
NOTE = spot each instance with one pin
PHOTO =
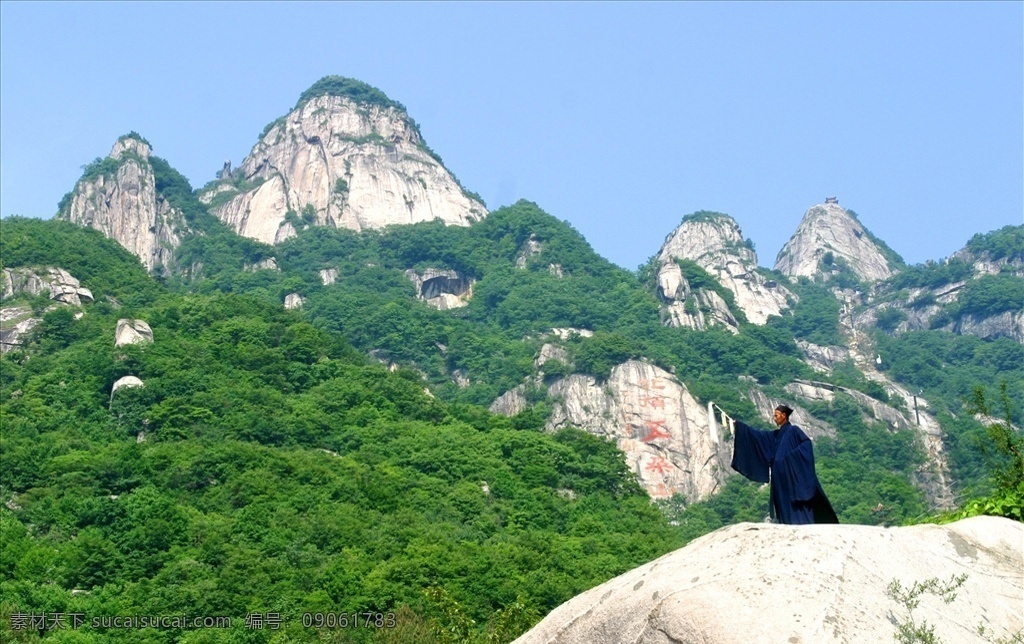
(785, 459)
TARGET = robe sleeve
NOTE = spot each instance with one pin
(796, 472)
(752, 452)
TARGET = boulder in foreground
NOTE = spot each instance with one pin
(754, 582)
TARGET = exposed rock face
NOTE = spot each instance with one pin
(715, 243)
(654, 420)
(125, 206)
(268, 264)
(1005, 325)
(550, 351)
(442, 289)
(337, 162)
(829, 229)
(821, 358)
(531, 248)
(933, 477)
(688, 309)
(919, 306)
(132, 332)
(703, 309)
(771, 583)
(564, 333)
(293, 301)
(328, 276)
(511, 402)
(127, 381)
(802, 418)
(15, 323)
(60, 285)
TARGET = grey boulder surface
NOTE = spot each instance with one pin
(754, 582)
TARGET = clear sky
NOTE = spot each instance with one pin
(619, 118)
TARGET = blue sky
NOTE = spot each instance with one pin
(619, 118)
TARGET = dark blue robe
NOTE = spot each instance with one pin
(785, 458)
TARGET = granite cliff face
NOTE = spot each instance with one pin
(659, 426)
(933, 476)
(17, 320)
(941, 302)
(756, 582)
(120, 200)
(828, 237)
(715, 243)
(688, 308)
(442, 289)
(342, 162)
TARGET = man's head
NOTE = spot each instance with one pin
(782, 413)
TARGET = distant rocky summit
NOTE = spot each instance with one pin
(715, 243)
(829, 239)
(754, 582)
(118, 197)
(346, 156)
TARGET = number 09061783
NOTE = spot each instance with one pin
(349, 620)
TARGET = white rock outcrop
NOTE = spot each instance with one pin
(54, 282)
(267, 264)
(328, 276)
(821, 358)
(511, 402)
(125, 206)
(17, 320)
(293, 301)
(126, 382)
(1009, 324)
(442, 289)
(933, 477)
(531, 248)
(651, 416)
(826, 232)
(715, 243)
(333, 161)
(132, 332)
(564, 333)
(755, 583)
(15, 323)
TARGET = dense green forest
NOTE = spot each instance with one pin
(272, 463)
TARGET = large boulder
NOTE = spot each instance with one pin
(132, 332)
(126, 382)
(751, 582)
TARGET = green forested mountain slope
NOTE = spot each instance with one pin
(282, 471)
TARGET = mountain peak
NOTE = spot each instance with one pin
(346, 156)
(118, 196)
(714, 242)
(830, 237)
(344, 87)
(131, 143)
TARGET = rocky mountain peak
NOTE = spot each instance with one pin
(704, 235)
(117, 196)
(346, 156)
(715, 242)
(830, 238)
(131, 144)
